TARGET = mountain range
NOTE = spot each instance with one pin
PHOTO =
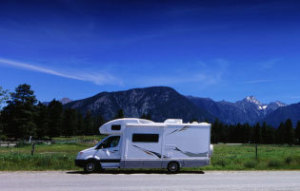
(165, 102)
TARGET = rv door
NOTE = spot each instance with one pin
(110, 152)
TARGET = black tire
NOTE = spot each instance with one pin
(91, 166)
(173, 167)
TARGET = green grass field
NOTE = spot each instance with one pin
(60, 156)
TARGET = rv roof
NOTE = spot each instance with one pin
(132, 120)
(173, 121)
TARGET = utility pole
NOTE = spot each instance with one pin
(33, 148)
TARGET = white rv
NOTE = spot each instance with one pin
(139, 143)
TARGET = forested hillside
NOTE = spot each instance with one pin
(23, 116)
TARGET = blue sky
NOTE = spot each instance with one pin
(225, 50)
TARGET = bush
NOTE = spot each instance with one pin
(3, 137)
(274, 163)
(220, 162)
(250, 164)
(288, 160)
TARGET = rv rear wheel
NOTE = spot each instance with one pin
(91, 166)
(173, 167)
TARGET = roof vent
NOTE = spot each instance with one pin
(173, 121)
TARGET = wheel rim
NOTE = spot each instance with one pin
(90, 166)
(173, 167)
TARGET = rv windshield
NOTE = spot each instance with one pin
(109, 142)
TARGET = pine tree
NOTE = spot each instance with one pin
(280, 134)
(89, 124)
(20, 113)
(297, 133)
(215, 132)
(42, 121)
(4, 96)
(289, 132)
(270, 135)
(98, 122)
(119, 114)
(257, 133)
(69, 122)
(147, 116)
(55, 110)
(80, 124)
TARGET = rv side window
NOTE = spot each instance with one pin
(116, 127)
(148, 138)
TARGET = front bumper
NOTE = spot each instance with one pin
(80, 162)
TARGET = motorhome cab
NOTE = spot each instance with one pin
(139, 143)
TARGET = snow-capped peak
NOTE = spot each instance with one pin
(262, 107)
(252, 99)
(65, 100)
(280, 104)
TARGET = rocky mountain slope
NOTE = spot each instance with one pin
(165, 102)
(248, 110)
(283, 113)
(160, 102)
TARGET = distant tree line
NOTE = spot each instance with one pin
(24, 116)
(258, 133)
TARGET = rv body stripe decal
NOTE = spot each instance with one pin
(149, 152)
(178, 130)
(190, 154)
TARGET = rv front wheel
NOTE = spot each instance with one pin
(90, 166)
(173, 167)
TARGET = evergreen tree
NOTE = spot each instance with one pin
(238, 130)
(69, 122)
(269, 138)
(20, 113)
(264, 133)
(217, 132)
(120, 114)
(280, 134)
(246, 133)
(257, 133)
(80, 124)
(148, 116)
(4, 96)
(226, 135)
(297, 133)
(98, 122)
(42, 121)
(288, 132)
(89, 124)
(55, 110)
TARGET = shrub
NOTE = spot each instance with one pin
(274, 163)
(3, 137)
(220, 162)
(250, 164)
(288, 160)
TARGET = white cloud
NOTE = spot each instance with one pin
(269, 64)
(294, 97)
(257, 81)
(200, 74)
(99, 78)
